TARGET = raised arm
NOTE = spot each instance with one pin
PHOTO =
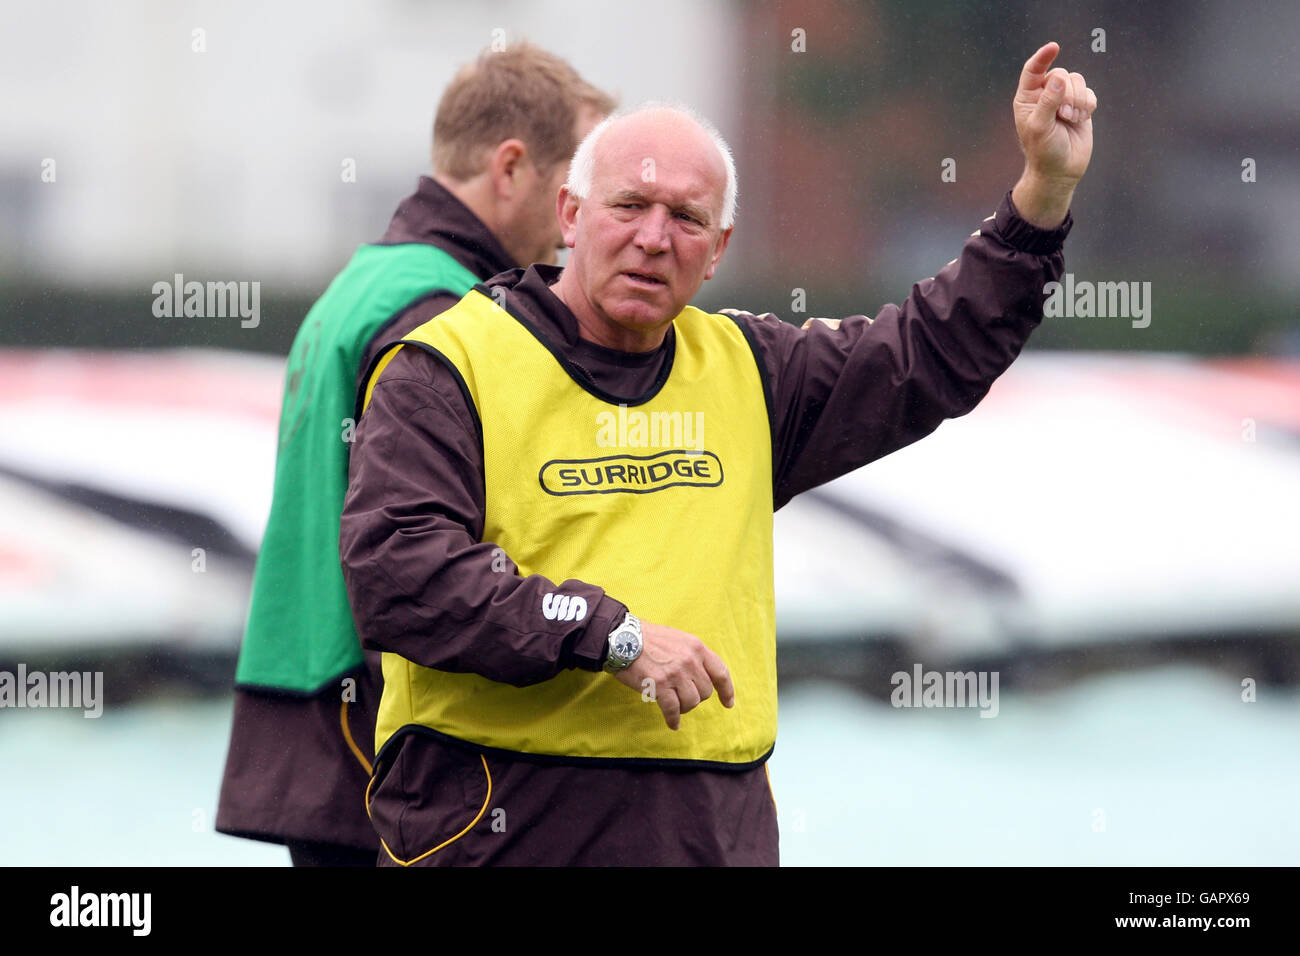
(846, 392)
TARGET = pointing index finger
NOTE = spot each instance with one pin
(1034, 74)
(721, 678)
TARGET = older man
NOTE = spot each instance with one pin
(305, 705)
(557, 599)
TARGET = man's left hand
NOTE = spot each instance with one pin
(1053, 112)
(1054, 117)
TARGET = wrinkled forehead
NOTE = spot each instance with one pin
(665, 151)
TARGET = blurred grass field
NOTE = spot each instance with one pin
(1159, 767)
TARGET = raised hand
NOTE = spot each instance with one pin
(1053, 110)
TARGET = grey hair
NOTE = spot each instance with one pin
(582, 168)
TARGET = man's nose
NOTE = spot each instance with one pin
(652, 233)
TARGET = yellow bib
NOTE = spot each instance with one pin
(667, 505)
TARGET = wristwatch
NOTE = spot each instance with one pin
(624, 644)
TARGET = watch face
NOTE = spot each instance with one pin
(626, 646)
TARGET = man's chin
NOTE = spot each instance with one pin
(641, 316)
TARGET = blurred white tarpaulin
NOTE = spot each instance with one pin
(1088, 499)
(115, 468)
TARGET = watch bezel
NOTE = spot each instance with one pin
(628, 629)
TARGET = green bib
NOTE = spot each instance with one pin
(300, 634)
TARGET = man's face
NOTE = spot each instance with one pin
(648, 236)
(537, 227)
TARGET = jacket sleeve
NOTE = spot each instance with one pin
(420, 581)
(846, 393)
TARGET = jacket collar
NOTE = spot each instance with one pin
(432, 215)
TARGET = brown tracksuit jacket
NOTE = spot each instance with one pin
(422, 585)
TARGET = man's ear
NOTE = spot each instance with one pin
(717, 253)
(566, 209)
(506, 163)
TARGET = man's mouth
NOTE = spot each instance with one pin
(646, 279)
